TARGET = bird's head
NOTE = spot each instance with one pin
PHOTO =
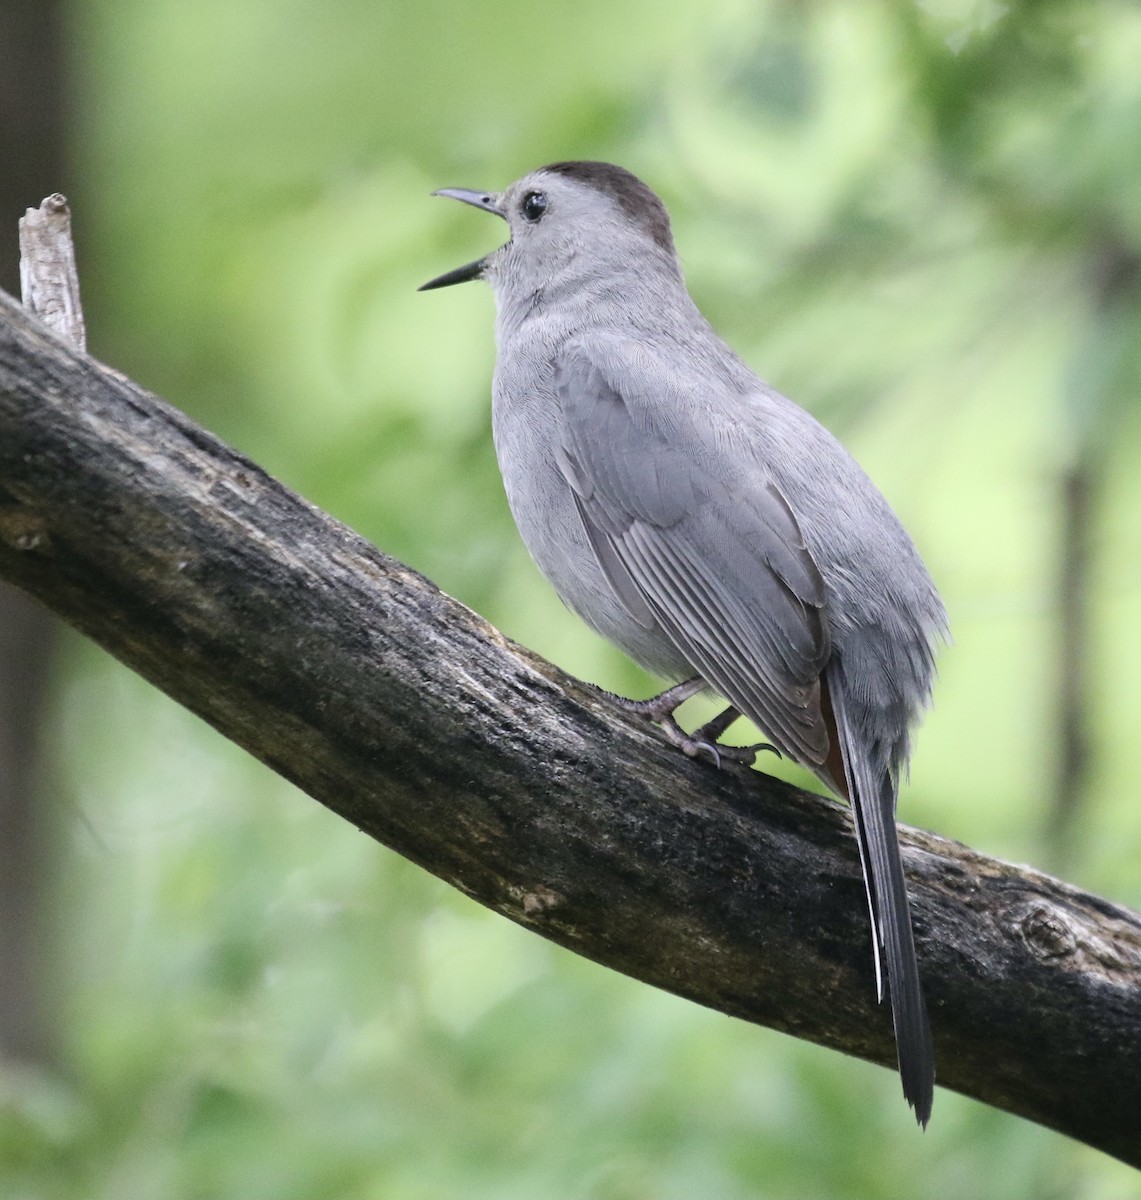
(568, 221)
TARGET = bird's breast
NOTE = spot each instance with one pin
(527, 430)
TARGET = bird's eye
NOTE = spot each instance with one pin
(533, 206)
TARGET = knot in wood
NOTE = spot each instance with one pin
(23, 530)
(538, 900)
(1048, 933)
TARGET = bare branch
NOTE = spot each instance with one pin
(409, 716)
(49, 280)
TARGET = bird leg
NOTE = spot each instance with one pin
(703, 742)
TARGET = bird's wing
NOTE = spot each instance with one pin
(713, 555)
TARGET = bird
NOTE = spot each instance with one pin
(707, 525)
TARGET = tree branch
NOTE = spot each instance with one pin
(404, 712)
(49, 280)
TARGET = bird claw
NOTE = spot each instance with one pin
(703, 743)
(717, 753)
(707, 737)
(747, 755)
(692, 747)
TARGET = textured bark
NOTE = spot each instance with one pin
(409, 716)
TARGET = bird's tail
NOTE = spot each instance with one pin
(871, 789)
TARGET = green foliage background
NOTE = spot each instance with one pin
(901, 214)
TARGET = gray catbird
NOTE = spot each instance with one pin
(708, 526)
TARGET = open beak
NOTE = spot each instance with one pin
(474, 270)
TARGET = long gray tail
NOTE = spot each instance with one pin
(872, 791)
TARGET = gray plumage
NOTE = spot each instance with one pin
(703, 522)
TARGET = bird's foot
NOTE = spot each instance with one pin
(697, 745)
(702, 743)
(708, 737)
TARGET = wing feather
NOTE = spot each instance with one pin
(716, 559)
